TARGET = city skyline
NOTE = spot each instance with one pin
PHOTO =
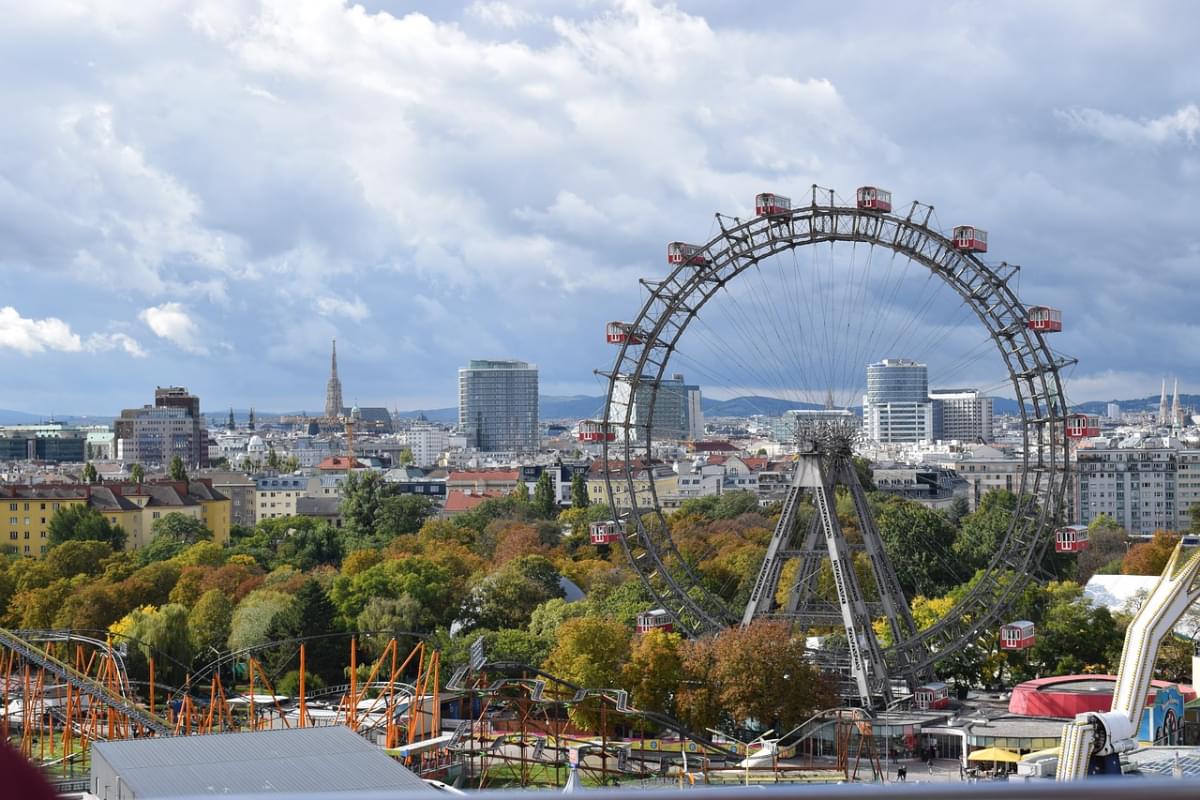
(209, 199)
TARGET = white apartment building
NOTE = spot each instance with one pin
(1144, 483)
(962, 415)
(427, 443)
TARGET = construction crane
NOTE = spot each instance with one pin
(1093, 743)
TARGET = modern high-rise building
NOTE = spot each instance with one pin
(173, 426)
(896, 407)
(498, 405)
(178, 397)
(333, 389)
(962, 415)
(676, 413)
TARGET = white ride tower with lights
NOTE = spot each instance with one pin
(1094, 742)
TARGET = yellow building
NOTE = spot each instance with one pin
(661, 476)
(26, 518)
(134, 507)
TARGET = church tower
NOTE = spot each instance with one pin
(333, 389)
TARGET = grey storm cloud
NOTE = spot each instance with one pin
(207, 192)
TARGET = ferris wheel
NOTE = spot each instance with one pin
(791, 305)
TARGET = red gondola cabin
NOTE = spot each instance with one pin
(872, 199)
(1017, 635)
(767, 203)
(657, 619)
(591, 430)
(621, 333)
(932, 695)
(605, 532)
(683, 253)
(1071, 539)
(1082, 426)
(1045, 319)
(969, 239)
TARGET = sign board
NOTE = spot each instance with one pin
(478, 658)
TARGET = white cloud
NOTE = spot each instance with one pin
(103, 342)
(353, 309)
(171, 321)
(36, 335)
(30, 336)
(1182, 126)
(499, 14)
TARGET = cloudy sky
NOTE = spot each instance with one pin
(207, 192)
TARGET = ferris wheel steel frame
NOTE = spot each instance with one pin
(673, 302)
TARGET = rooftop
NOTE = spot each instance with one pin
(330, 760)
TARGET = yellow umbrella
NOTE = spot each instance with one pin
(994, 754)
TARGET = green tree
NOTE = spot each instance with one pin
(291, 464)
(918, 541)
(400, 515)
(1107, 542)
(507, 598)
(177, 470)
(160, 633)
(181, 528)
(520, 492)
(137, 473)
(253, 617)
(1072, 635)
(310, 546)
(78, 557)
(273, 461)
(209, 622)
(589, 652)
(310, 615)
(82, 522)
(89, 474)
(544, 501)
(405, 457)
(984, 529)
(386, 618)
(173, 534)
(579, 491)
(654, 671)
(363, 494)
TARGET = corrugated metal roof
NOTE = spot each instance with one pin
(326, 759)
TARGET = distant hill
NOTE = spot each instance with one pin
(1136, 406)
(750, 406)
(8, 417)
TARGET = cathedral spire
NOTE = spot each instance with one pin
(333, 389)
(1162, 404)
(1175, 406)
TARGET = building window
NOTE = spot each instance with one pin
(155, 515)
(12, 506)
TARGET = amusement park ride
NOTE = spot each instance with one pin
(64, 691)
(700, 272)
